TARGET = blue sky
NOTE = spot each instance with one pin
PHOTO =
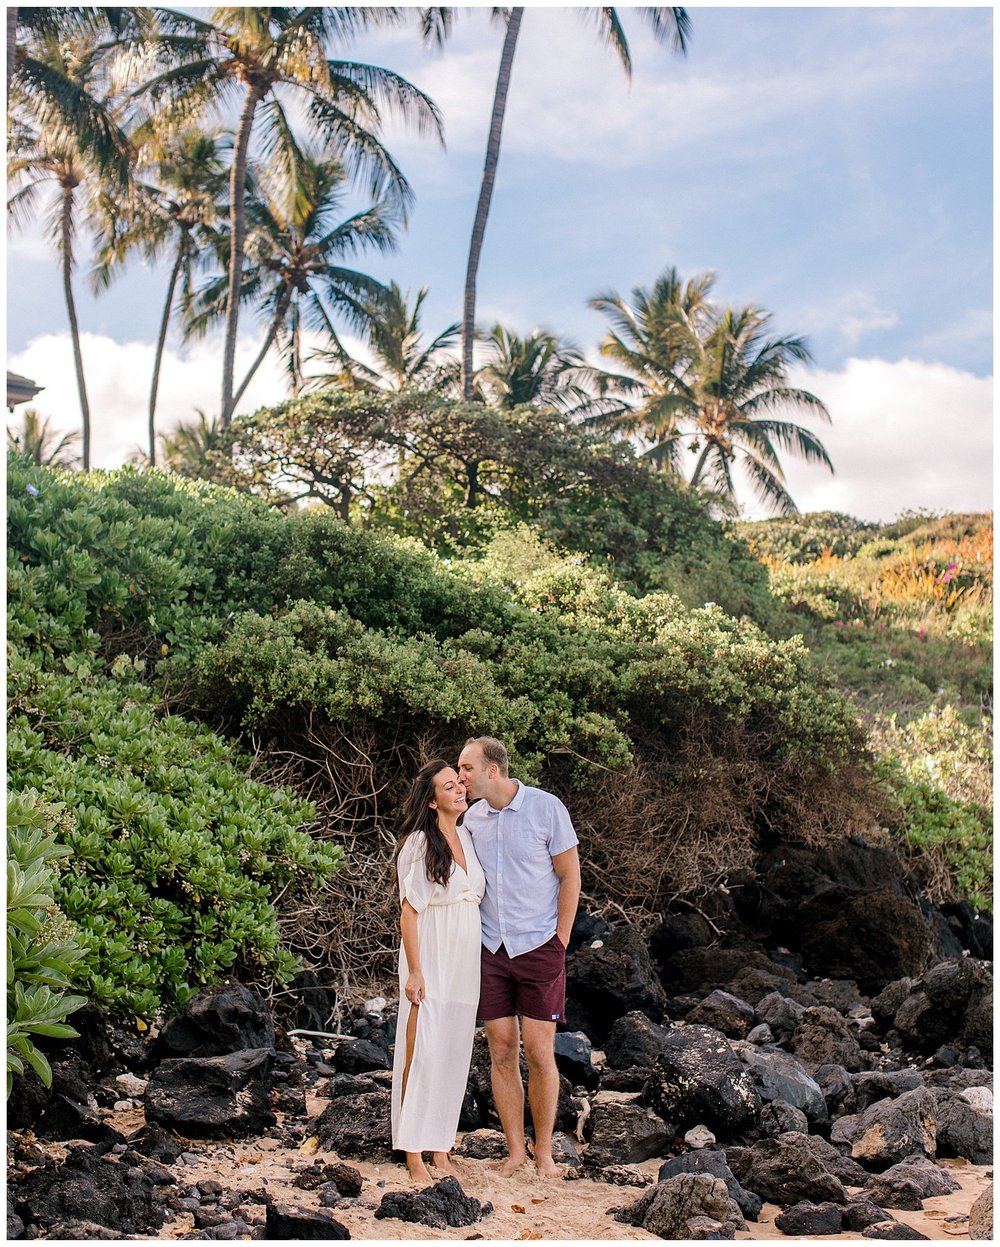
(833, 165)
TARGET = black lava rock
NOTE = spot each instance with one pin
(442, 1205)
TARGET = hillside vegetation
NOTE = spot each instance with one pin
(216, 698)
(900, 616)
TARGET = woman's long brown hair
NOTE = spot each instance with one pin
(418, 816)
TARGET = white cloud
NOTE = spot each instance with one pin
(118, 376)
(853, 315)
(570, 100)
(904, 435)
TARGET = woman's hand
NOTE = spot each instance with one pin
(415, 991)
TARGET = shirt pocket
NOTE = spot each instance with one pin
(536, 850)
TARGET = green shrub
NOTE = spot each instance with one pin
(42, 954)
(458, 473)
(952, 841)
(176, 855)
(803, 538)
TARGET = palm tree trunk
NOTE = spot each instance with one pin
(279, 316)
(160, 343)
(74, 327)
(237, 239)
(11, 39)
(700, 465)
(485, 195)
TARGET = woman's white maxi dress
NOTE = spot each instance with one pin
(449, 938)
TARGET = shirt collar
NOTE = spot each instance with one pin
(515, 804)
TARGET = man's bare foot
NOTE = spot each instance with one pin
(512, 1164)
(546, 1167)
(441, 1160)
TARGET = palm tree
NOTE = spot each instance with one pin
(44, 151)
(190, 448)
(58, 101)
(738, 381)
(296, 239)
(712, 381)
(395, 337)
(651, 339)
(668, 25)
(256, 54)
(177, 213)
(45, 446)
(539, 369)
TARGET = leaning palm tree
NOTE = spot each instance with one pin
(45, 446)
(668, 25)
(177, 213)
(258, 55)
(45, 154)
(711, 382)
(297, 239)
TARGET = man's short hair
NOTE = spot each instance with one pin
(493, 751)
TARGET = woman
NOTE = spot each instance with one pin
(440, 887)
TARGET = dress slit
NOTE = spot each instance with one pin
(411, 1050)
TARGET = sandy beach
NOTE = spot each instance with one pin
(525, 1207)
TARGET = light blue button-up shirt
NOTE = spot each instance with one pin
(515, 847)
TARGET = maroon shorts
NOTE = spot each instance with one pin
(532, 985)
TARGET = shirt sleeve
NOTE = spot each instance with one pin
(561, 833)
(411, 870)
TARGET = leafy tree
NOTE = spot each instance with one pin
(668, 24)
(71, 149)
(710, 380)
(296, 242)
(45, 446)
(324, 447)
(178, 212)
(260, 55)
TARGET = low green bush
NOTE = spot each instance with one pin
(951, 841)
(176, 855)
(42, 953)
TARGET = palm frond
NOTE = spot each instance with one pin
(671, 26)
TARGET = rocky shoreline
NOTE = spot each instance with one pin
(711, 1087)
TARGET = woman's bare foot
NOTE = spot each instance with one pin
(417, 1170)
(441, 1160)
(512, 1164)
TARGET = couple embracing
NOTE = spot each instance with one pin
(489, 881)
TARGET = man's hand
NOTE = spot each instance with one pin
(567, 868)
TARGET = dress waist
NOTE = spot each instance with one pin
(464, 897)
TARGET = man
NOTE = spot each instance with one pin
(527, 847)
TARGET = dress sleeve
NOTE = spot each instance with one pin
(411, 869)
(561, 833)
